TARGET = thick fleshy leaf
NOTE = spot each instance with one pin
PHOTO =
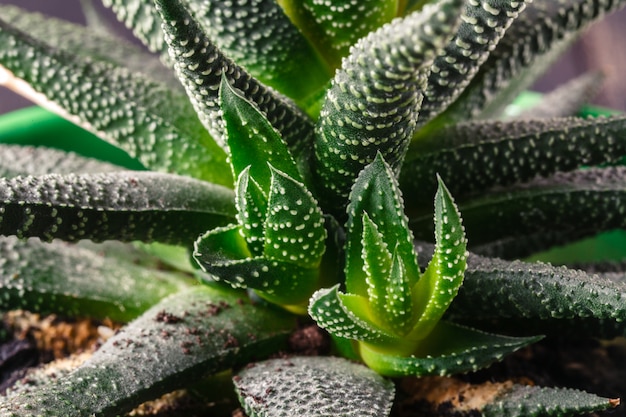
(18, 160)
(127, 205)
(388, 287)
(567, 99)
(533, 401)
(484, 24)
(545, 296)
(313, 387)
(327, 307)
(449, 349)
(200, 64)
(575, 204)
(373, 103)
(533, 41)
(266, 43)
(251, 203)
(294, 226)
(334, 27)
(440, 283)
(72, 281)
(181, 339)
(475, 156)
(147, 119)
(89, 43)
(141, 17)
(376, 193)
(251, 139)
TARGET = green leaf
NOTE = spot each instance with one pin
(294, 226)
(251, 139)
(545, 296)
(266, 43)
(88, 43)
(334, 27)
(251, 204)
(141, 17)
(568, 204)
(328, 308)
(72, 281)
(476, 156)
(483, 24)
(349, 136)
(388, 287)
(532, 42)
(533, 401)
(376, 193)
(200, 64)
(146, 119)
(313, 387)
(448, 349)
(27, 160)
(444, 275)
(132, 205)
(181, 339)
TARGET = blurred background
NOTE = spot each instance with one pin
(603, 47)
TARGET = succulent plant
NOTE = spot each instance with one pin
(269, 150)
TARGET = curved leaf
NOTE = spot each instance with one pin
(475, 156)
(448, 349)
(569, 204)
(313, 387)
(179, 340)
(266, 43)
(484, 24)
(146, 119)
(375, 97)
(18, 160)
(69, 280)
(131, 205)
(200, 64)
(141, 17)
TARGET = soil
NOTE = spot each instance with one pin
(590, 365)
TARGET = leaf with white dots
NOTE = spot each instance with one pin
(252, 141)
(313, 387)
(147, 119)
(388, 287)
(476, 156)
(260, 37)
(532, 42)
(333, 27)
(346, 316)
(390, 88)
(448, 349)
(444, 275)
(484, 24)
(199, 65)
(567, 206)
(183, 338)
(251, 204)
(125, 205)
(376, 193)
(540, 297)
(294, 226)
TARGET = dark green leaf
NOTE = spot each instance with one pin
(475, 156)
(128, 205)
(69, 280)
(178, 341)
(313, 387)
(200, 64)
(251, 211)
(373, 103)
(531, 401)
(141, 17)
(266, 43)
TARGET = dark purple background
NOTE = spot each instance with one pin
(602, 47)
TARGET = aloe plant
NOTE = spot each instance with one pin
(292, 150)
